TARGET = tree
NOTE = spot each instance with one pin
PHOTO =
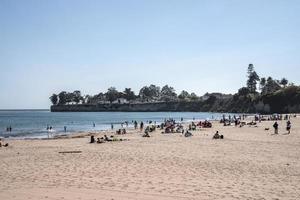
(100, 97)
(194, 97)
(129, 94)
(112, 94)
(69, 97)
(54, 99)
(62, 98)
(252, 79)
(184, 95)
(144, 93)
(243, 91)
(271, 86)
(76, 97)
(262, 83)
(149, 93)
(284, 82)
(154, 91)
(168, 93)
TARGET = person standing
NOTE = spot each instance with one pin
(65, 129)
(135, 124)
(288, 126)
(275, 125)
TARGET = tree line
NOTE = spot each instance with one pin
(151, 93)
(260, 94)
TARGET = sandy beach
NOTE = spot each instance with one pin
(250, 163)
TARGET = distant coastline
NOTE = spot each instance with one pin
(272, 96)
(25, 109)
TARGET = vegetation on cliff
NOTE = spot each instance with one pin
(273, 96)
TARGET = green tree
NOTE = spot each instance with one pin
(100, 97)
(149, 93)
(62, 98)
(154, 91)
(252, 79)
(243, 91)
(284, 82)
(168, 93)
(184, 95)
(129, 94)
(145, 93)
(262, 83)
(194, 97)
(112, 94)
(271, 86)
(54, 99)
(76, 97)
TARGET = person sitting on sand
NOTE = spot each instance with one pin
(188, 134)
(107, 139)
(288, 126)
(3, 145)
(146, 134)
(218, 136)
(100, 140)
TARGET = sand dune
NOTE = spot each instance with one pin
(250, 163)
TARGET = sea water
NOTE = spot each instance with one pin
(33, 123)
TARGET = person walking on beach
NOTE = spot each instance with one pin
(65, 129)
(288, 126)
(112, 126)
(142, 126)
(275, 125)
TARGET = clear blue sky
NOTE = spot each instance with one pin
(200, 46)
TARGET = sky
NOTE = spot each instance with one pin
(195, 45)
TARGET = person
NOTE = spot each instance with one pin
(142, 126)
(65, 129)
(218, 136)
(107, 139)
(188, 134)
(4, 145)
(275, 125)
(112, 126)
(92, 139)
(288, 126)
(146, 134)
(94, 124)
(135, 124)
(100, 140)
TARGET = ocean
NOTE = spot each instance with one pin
(33, 123)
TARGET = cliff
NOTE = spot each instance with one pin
(139, 107)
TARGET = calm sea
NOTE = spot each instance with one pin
(33, 124)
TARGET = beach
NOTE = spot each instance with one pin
(249, 163)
